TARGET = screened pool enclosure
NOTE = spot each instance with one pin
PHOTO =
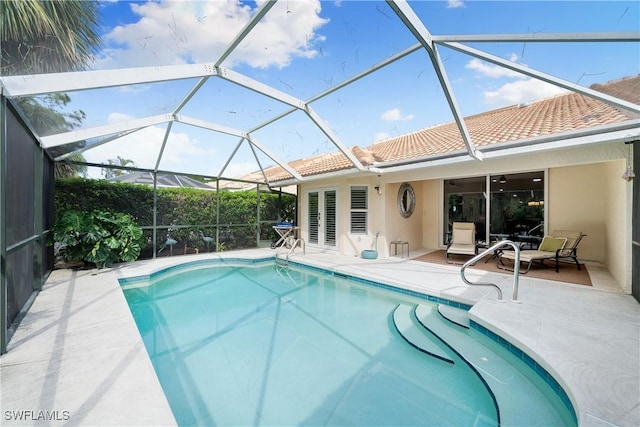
(247, 96)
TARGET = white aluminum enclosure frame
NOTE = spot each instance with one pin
(31, 85)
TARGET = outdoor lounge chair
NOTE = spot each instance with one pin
(463, 240)
(560, 245)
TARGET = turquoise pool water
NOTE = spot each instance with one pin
(264, 345)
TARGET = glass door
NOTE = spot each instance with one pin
(512, 208)
(517, 206)
(466, 201)
(321, 208)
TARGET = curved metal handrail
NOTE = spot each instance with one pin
(516, 268)
(297, 242)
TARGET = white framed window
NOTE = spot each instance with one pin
(359, 209)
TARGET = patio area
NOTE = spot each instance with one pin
(77, 357)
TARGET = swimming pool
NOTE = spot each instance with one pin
(259, 344)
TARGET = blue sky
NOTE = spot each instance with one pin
(305, 47)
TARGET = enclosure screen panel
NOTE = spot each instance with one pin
(21, 176)
(48, 212)
(20, 193)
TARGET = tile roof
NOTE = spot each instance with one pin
(561, 113)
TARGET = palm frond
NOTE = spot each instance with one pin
(47, 36)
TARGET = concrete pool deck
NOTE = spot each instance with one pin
(77, 357)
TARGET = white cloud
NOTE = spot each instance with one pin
(521, 91)
(490, 70)
(239, 169)
(181, 151)
(395, 115)
(118, 117)
(170, 32)
(452, 4)
(524, 89)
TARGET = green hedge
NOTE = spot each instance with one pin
(179, 208)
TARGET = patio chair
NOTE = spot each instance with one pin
(560, 245)
(463, 240)
(570, 250)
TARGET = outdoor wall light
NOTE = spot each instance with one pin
(377, 187)
(628, 174)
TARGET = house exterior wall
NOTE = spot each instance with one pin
(399, 228)
(585, 193)
(618, 223)
(431, 206)
(572, 206)
(595, 200)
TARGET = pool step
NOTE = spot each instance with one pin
(403, 319)
(500, 375)
(459, 340)
(457, 316)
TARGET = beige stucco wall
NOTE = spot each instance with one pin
(397, 227)
(618, 224)
(431, 214)
(576, 202)
(593, 199)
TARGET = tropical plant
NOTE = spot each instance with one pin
(47, 36)
(99, 237)
(118, 161)
(69, 170)
(182, 212)
(44, 37)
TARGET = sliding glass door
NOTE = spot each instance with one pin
(465, 200)
(512, 208)
(517, 205)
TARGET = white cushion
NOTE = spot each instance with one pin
(462, 249)
(462, 237)
(528, 255)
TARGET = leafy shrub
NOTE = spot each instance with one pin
(99, 237)
(182, 213)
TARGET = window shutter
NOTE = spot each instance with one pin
(359, 210)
